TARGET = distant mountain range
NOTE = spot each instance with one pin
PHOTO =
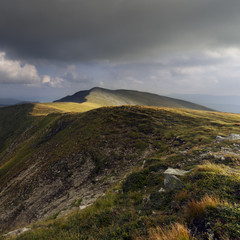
(10, 101)
(220, 103)
(106, 97)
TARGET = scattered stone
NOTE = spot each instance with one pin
(233, 136)
(172, 182)
(85, 206)
(177, 172)
(82, 207)
(143, 164)
(183, 152)
(161, 190)
(170, 179)
(17, 232)
(230, 137)
(220, 138)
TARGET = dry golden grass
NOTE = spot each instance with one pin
(196, 209)
(211, 167)
(42, 109)
(182, 195)
(175, 232)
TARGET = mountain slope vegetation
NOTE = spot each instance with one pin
(106, 97)
(100, 174)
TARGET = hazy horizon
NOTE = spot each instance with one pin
(216, 102)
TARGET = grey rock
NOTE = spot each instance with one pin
(161, 190)
(143, 165)
(85, 206)
(176, 172)
(17, 232)
(172, 182)
(220, 138)
(233, 136)
(183, 152)
(82, 207)
(230, 137)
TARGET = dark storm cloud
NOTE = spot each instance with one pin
(86, 30)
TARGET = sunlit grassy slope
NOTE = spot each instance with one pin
(51, 136)
(15, 119)
(41, 109)
(106, 97)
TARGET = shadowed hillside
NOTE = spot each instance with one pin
(101, 174)
(9, 101)
(105, 97)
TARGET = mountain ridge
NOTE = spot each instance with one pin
(100, 174)
(107, 97)
(9, 101)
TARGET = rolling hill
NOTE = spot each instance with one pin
(106, 97)
(9, 102)
(220, 103)
(101, 174)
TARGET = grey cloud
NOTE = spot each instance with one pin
(14, 72)
(181, 74)
(81, 30)
(73, 76)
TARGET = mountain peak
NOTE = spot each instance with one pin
(107, 97)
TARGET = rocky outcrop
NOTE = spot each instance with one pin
(16, 232)
(230, 137)
(171, 181)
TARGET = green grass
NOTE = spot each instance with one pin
(225, 221)
(105, 97)
(113, 136)
(129, 214)
(42, 109)
(13, 122)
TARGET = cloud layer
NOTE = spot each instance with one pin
(14, 72)
(58, 47)
(80, 30)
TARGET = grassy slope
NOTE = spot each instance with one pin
(20, 124)
(135, 206)
(41, 109)
(18, 128)
(105, 97)
(13, 122)
(16, 121)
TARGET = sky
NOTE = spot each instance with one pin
(53, 48)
